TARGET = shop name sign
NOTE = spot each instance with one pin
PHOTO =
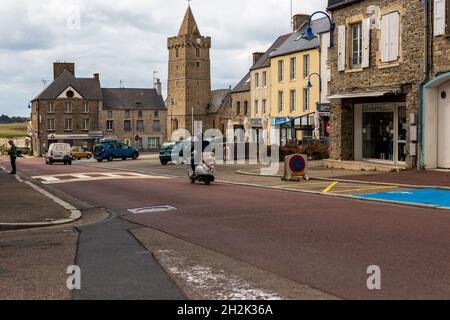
(378, 108)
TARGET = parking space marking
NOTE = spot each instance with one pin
(331, 186)
(365, 189)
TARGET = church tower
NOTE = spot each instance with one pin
(189, 81)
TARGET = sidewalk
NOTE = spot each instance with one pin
(430, 178)
(22, 204)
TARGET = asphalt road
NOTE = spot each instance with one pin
(322, 242)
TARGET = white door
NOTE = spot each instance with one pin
(444, 126)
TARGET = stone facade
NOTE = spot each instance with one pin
(189, 82)
(125, 126)
(401, 77)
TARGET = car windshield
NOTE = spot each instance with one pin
(60, 147)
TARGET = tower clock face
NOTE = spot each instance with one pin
(199, 41)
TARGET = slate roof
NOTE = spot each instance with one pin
(264, 61)
(89, 88)
(128, 99)
(243, 85)
(295, 42)
(189, 26)
(217, 99)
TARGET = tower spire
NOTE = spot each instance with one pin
(189, 26)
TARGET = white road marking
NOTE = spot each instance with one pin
(154, 209)
(92, 176)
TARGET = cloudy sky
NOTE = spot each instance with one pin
(126, 40)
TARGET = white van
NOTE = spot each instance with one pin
(58, 152)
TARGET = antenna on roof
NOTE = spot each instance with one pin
(154, 77)
(292, 15)
(45, 82)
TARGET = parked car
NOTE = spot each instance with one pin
(165, 154)
(114, 150)
(58, 152)
(79, 153)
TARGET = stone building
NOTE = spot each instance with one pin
(136, 116)
(240, 97)
(66, 111)
(376, 67)
(79, 112)
(190, 100)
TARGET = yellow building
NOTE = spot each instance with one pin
(295, 89)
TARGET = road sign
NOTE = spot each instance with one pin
(328, 128)
(296, 167)
(136, 137)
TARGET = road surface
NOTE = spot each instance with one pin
(322, 242)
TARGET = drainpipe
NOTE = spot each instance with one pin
(420, 118)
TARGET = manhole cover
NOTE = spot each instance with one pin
(154, 209)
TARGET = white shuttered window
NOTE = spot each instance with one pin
(390, 37)
(439, 17)
(341, 47)
(366, 43)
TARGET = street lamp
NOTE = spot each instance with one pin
(309, 34)
(309, 85)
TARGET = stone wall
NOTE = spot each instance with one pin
(404, 76)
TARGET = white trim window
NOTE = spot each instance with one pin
(293, 72)
(264, 78)
(256, 107)
(68, 124)
(51, 124)
(293, 96)
(110, 125)
(280, 101)
(51, 107)
(306, 99)
(356, 45)
(86, 124)
(257, 80)
(306, 66)
(264, 106)
(154, 143)
(390, 37)
(68, 107)
(280, 70)
(86, 107)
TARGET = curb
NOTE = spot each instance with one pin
(75, 214)
(316, 193)
(412, 186)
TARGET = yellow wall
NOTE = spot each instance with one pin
(298, 84)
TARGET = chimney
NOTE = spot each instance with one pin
(257, 56)
(59, 67)
(299, 20)
(97, 76)
(157, 86)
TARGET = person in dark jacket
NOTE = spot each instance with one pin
(13, 155)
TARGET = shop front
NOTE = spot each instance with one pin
(85, 141)
(380, 132)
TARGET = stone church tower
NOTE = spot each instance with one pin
(189, 81)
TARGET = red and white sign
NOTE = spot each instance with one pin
(328, 128)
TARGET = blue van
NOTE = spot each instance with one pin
(111, 150)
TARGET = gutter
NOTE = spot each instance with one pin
(421, 118)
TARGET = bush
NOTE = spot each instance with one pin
(314, 151)
(3, 150)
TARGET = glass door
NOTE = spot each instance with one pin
(378, 136)
(402, 129)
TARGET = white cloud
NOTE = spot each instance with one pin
(127, 40)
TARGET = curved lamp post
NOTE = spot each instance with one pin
(309, 34)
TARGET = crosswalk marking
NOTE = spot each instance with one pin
(93, 176)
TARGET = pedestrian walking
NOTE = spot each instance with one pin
(13, 155)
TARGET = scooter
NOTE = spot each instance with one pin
(204, 172)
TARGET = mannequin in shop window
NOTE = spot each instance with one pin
(379, 141)
(389, 141)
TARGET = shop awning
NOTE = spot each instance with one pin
(363, 94)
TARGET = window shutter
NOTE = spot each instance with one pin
(394, 36)
(366, 43)
(439, 17)
(384, 41)
(341, 47)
